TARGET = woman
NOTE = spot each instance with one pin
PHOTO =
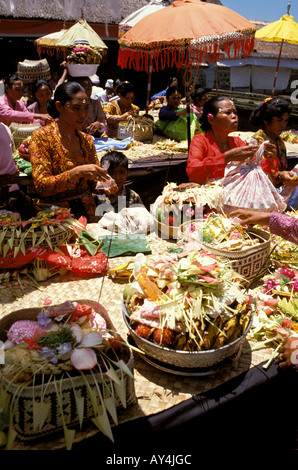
(172, 118)
(65, 167)
(162, 94)
(272, 118)
(211, 154)
(41, 92)
(96, 121)
(199, 98)
(121, 110)
(12, 109)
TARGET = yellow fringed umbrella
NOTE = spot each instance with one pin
(282, 31)
(80, 30)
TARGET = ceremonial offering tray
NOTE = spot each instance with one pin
(82, 70)
(89, 376)
(248, 251)
(49, 228)
(186, 309)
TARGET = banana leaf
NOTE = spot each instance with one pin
(91, 244)
(125, 245)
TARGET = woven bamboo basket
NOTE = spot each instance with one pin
(186, 359)
(29, 70)
(20, 132)
(138, 130)
(58, 237)
(73, 388)
(248, 262)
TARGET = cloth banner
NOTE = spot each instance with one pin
(75, 259)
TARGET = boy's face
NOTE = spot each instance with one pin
(119, 175)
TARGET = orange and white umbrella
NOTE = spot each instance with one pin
(186, 32)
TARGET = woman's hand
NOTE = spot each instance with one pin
(251, 217)
(89, 172)
(44, 117)
(270, 151)
(95, 126)
(289, 353)
(289, 178)
(126, 115)
(240, 154)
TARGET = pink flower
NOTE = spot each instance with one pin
(47, 302)
(210, 115)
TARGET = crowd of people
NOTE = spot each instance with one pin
(71, 111)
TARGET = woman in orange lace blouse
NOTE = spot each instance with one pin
(65, 167)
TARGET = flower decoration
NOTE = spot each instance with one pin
(210, 116)
(67, 340)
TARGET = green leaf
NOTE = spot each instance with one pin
(102, 422)
(111, 407)
(5, 250)
(121, 391)
(40, 413)
(113, 375)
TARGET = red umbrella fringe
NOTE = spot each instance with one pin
(178, 55)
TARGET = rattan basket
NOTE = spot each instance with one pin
(30, 70)
(138, 130)
(248, 262)
(73, 388)
(20, 132)
(185, 359)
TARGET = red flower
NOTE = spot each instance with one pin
(287, 323)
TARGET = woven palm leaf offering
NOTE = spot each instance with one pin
(247, 249)
(48, 228)
(181, 203)
(187, 309)
(275, 305)
(64, 364)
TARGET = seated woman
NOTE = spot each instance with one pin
(116, 164)
(41, 92)
(199, 98)
(12, 109)
(120, 110)
(211, 153)
(65, 167)
(272, 118)
(161, 95)
(96, 121)
(172, 120)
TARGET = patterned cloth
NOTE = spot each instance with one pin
(284, 226)
(51, 163)
(112, 109)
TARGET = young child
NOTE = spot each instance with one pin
(116, 164)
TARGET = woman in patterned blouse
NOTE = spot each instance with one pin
(65, 167)
(122, 109)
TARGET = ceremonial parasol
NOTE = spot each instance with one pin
(80, 30)
(133, 18)
(282, 31)
(186, 32)
(49, 41)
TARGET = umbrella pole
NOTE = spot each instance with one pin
(277, 67)
(187, 92)
(149, 84)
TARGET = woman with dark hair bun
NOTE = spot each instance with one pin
(12, 109)
(199, 97)
(212, 153)
(122, 109)
(65, 167)
(272, 117)
(41, 93)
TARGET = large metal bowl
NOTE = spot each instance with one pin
(185, 359)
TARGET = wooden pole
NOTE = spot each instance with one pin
(277, 67)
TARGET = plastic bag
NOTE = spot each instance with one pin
(248, 187)
(177, 130)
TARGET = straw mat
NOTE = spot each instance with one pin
(156, 390)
